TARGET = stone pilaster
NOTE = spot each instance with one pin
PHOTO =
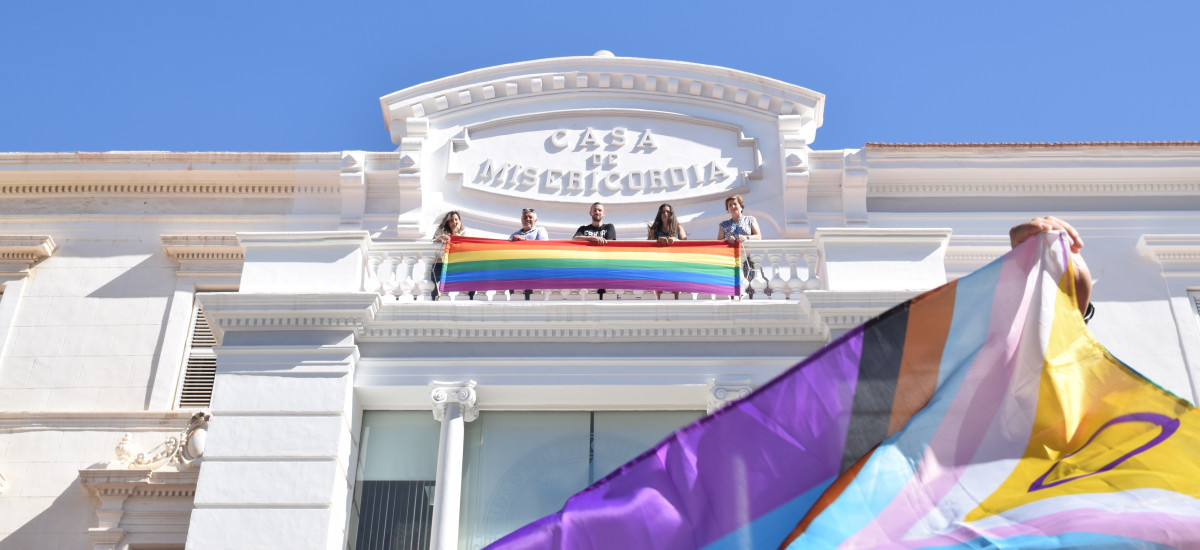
(278, 466)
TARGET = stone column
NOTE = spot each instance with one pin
(453, 405)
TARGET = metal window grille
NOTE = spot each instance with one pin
(394, 515)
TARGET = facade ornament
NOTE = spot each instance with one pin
(182, 450)
(722, 393)
(463, 393)
(19, 253)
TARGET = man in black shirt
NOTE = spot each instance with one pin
(597, 232)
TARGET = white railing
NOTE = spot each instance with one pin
(783, 270)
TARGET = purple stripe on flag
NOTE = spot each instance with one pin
(721, 472)
(632, 284)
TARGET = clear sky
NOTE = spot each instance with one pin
(307, 76)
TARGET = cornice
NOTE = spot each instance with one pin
(1032, 145)
(1074, 187)
(204, 255)
(604, 75)
(217, 189)
(122, 421)
(171, 174)
(872, 235)
(305, 239)
(566, 321)
(237, 311)
(139, 483)
(848, 309)
(19, 253)
(1171, 251)
(966, 253)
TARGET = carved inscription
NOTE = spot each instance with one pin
(601, 168)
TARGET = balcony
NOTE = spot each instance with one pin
(401, 272)
(805, 290)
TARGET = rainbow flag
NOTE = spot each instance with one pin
(981, 414)
(711, 267)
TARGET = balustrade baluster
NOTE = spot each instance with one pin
(758, 283)
(407, 285)
(812, 261)
(794, 285)
(776, 284)
(391, 265)
(372, 283)
(424, 277)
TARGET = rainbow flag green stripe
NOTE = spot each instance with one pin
(472, 264)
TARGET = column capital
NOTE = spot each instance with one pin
(463, 393)
(723, 392)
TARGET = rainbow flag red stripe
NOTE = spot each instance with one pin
(710, 267)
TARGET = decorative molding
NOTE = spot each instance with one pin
(968, 253)
(165, 476)
(192, 175)
(881, 236)
(258, 312)
(590, 321)
(19, 253)
(163, 506)
(722, 393)
(1030, 144)
(1026, 189)
(213, 189)
(462, 393)
(841, 310)
(139, 483)
(1171, 251)
(746, 147)
(663, 80)
(181, 451)
(131, 421)
(204, 255)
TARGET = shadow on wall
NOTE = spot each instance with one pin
(63, 522)
(147, 279)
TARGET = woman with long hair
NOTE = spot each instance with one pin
(666, 230)
(451, 225)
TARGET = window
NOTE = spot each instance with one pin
(201, 370)
(517, 467)
(393, 495)
(520, 466)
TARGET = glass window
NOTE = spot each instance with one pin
(393, 495)
(520, 466)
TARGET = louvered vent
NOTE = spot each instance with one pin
(202, 334)
(196, 390)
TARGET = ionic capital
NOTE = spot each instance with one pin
(721, 393)
(462, 393)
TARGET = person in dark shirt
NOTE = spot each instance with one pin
(597, 232)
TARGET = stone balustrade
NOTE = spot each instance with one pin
(402, 271)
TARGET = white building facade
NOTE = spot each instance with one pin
(239, 350)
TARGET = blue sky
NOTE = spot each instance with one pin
(307, 76)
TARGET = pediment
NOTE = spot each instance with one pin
(602, 81)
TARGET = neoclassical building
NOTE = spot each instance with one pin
(239, 350)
